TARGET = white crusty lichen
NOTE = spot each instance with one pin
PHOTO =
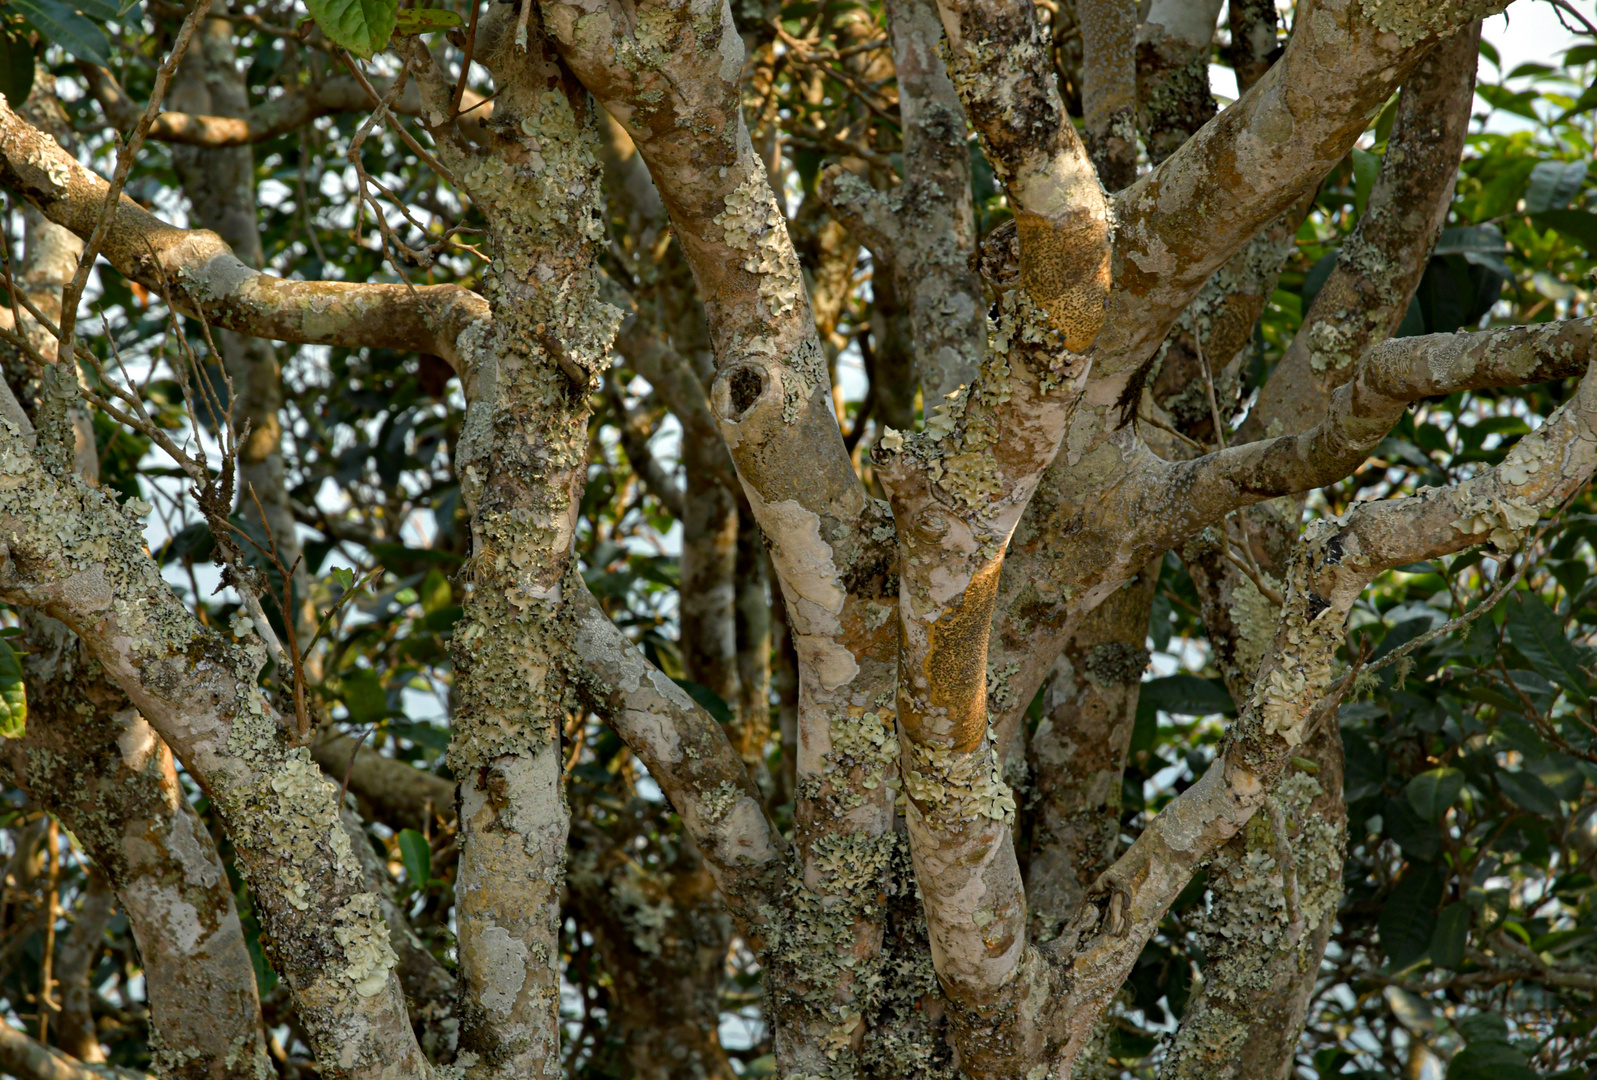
(1500, 521)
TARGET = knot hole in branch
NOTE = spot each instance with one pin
(738, 389)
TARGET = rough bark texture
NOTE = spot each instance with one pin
(1078, 754)
(92, 760)
(910, 633)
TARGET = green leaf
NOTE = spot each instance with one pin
(1365, 167)
(1539, 634)
(361, 26)
(1186, 695)
(13, 694)
(66, 28)
(16, 68)
(435, 592)
(344, 576)
(1408, 920)
(363, 695)
(1489, 1061)
(1527, 791)
(1578, 225)
(425, 20)
(1482, 1027)
(417, 857)
(99, 10)
(1431, 793)
(1419, 839)
(713, 703)
(1553, 184)
(1450, 936)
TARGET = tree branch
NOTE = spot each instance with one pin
(288, 112)
(689, 756)
(206, 279)
(70, 551)
(1335, 562)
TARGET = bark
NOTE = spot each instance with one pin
(76, 556)
(1097, 511)
(772, 399)
(429, 987)
(1173, 98)
(1274, 891)
(1380, 265)
(75, 1032)
(522, 461)
(923, 233)
(663, 934)
(1109, 87)
(1078, 754)
(1254, 44)
(1253, 973)
(92, 760)
(29, 1059)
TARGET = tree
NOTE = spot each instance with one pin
(1105, 402)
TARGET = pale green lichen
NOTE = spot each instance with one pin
(752, 223)
(1499, 521)
(359, 927)
(957, 786)
(1415, 20)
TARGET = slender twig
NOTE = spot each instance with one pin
(119, 178)
(1502, 590)
(465, 60)
(393, 122)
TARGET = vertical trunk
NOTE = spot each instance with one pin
(1274, 891)
(75, 1030)
(944, 293)
(91, 759)
(522, 465)
(663, 933)
(1078, 754)
(1109, 88)
(1173, 72)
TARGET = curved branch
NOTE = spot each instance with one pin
(1335, 562)
(689, 756)
(1389, 377)
(1245, 167)
(70, 551)
(1380, 266)
(205, 279)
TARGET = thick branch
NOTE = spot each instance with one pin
(397, 793)
(70, 551)
(688, 755)
(1380, 265)
(999, 64)
(1243, 169)
(1335, 563)
(1109, 87)
(204, 278)
(93, 761)
(1389, 377)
